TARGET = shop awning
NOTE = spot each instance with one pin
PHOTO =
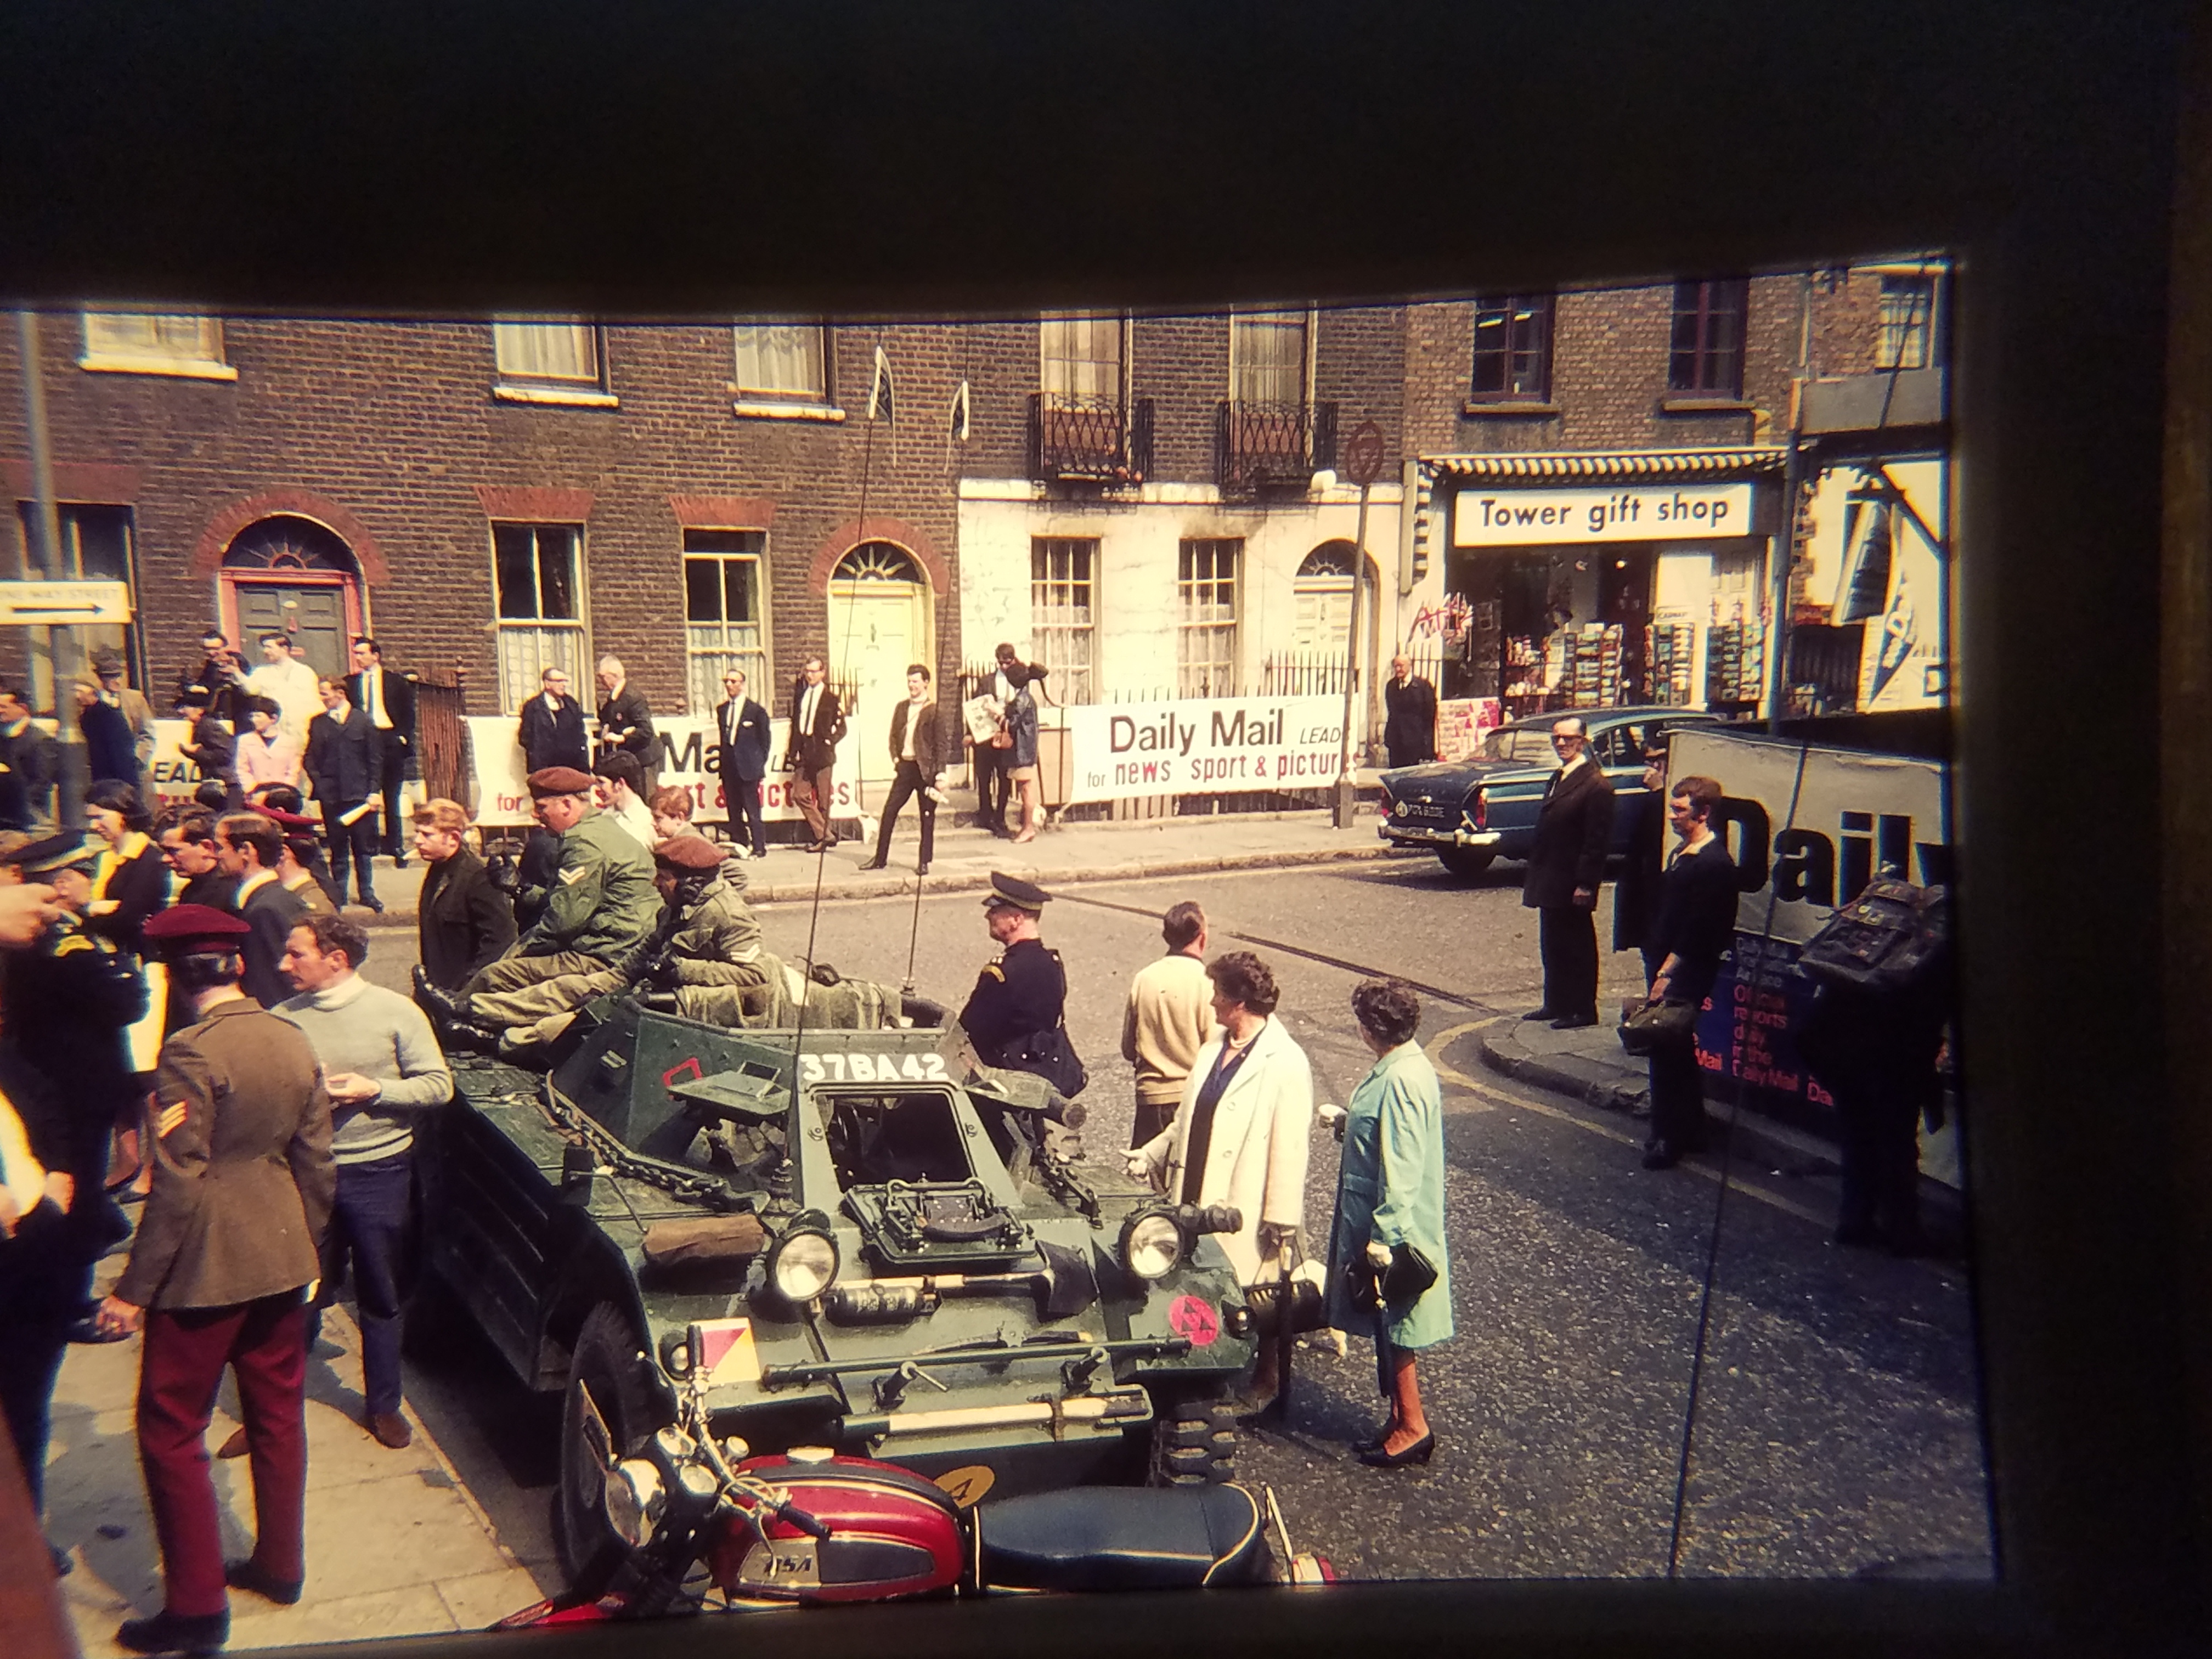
(1633, 465)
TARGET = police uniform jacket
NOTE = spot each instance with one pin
(1022, 992)
(601, 901)
(465, 923)
(243, 1177)
(70, 1003)
(1574, 832)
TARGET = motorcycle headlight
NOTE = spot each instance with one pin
(803, 1264)
(634, 1500)
(1152, 1244)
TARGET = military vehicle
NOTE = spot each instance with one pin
(879, 1250)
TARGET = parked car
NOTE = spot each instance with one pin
(1470, 812)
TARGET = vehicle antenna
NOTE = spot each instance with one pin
(913, 937)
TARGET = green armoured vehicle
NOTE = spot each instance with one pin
(877, 1251)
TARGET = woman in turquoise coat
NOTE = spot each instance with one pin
(1391, 1196)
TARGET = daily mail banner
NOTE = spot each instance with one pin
(1854, 813)
(1203, 746)
(1661, 513)
(690, 759)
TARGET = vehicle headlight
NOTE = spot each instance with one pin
(803, 1263)
(1152, 1244)
(634, 1500)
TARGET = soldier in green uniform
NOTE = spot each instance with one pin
(600, 913)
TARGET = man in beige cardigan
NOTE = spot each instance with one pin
(1170, 1016)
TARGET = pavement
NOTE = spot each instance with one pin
(437, 1565)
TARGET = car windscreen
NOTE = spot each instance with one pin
(1531, 745)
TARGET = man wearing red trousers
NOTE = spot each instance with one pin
(243, 1185)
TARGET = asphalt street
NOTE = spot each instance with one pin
(1836, 1421)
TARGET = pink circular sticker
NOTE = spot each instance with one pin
(1194, 1317)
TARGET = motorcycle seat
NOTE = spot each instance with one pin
(1120, 1537)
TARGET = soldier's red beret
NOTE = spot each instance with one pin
(688, 852)
(559, 781)
(183, 928)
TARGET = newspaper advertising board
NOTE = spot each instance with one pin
(690, 759)
(1807, 827)
(1463, 722)
(1203, 746)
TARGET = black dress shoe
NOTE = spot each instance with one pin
(89, 1330)
(1661, 1155)
(400, 860)
(248, 1575)
(1573, 1021)
(1420, 1452)
(873, 864)
(922, 869)
(169, 1632)
(1542, 1013)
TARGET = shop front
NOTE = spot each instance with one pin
(1578, 581)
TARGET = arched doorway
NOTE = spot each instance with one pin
(1322, 593)
(879, 622)
(292, 576)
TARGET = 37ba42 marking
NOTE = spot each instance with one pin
(859, 1066)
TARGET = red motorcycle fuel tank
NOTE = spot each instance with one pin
(891, 1534)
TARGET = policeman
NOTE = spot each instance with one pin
(600, 913)
(243, 1185)
(1022, 992)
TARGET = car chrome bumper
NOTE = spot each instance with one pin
(1424, 835)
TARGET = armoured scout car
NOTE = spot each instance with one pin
(868, 1254)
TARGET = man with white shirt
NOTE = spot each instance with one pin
(289, 683)
(387, 697)
(1574, 833)
(918, 753)
(248, 848)
(551, 729)
(381, 1066)
(620, 780)
(817, 727)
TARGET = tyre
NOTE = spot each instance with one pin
(605, 1365)
(1466, 862)
(1193, 1444)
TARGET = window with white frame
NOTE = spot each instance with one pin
(722, 620)
(562, 352)
(1905, 321)
(1323, 594)
(144, 342)
(1082, 357)
(1207, 572)
(538, 594)
(1063, 574)
(782, 362)
(1267, 357)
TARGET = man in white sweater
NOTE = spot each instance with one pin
(1170, 1016)
(382, 1065)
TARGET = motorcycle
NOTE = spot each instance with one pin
(696, 1525)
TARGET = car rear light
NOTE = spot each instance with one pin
(1479, 809)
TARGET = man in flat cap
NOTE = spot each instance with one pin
(243, 1186)
(1014, 1015)
(600, 911)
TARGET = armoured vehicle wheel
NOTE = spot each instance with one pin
(1465, 862)
(1194, 1443)
(604, 1364)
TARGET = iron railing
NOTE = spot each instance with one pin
(1272, 446)
(1100, 440)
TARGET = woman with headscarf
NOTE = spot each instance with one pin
(1389, 1202)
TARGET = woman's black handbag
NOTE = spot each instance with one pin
(1660, 1025)
(1266, 1300)
(1408, 1278)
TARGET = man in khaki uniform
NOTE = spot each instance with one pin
(243, 1185)
(1171, 1012)
(600, 909)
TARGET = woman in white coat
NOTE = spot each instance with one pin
(1240, 1135)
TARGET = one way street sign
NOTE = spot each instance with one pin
(56, 604)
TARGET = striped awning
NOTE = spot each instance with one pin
(1641, 464)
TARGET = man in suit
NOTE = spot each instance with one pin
(817, 727)
(210, 745)
(30, 762)
(552, 732)
(465, 922)
(918, 754)
(247, 849)
(1574, 832)
(117, 691)
(1409, 729)
(387, 697)
(344, 762)
(741, 729)
(243, 1185)
(626, 722)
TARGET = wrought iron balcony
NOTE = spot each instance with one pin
(1100, 440)
(1272, 446)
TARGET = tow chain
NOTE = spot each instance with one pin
(619, 1160)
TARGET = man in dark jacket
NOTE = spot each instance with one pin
(243, 1182)
(1694, 927)
(221, 675)
(918, 758)
(247, 849)
(345, 763)
(387, 697)
(1409, 729)
(1023, 991)
(817, 727)
(29, 764)
(1574, 831)
(626, 722)
(552, 732)
(741, 752)
(465, 923)
(110, 748)
(210, 745)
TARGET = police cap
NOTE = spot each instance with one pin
(43, 857)
(688, 853)
(183, 928)
(1013, 891)
(559, 781)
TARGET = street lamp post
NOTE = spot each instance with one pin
(1363, 460)
(46, 549)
